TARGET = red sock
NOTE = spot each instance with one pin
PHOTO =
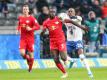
(31, 64)
(60, 66)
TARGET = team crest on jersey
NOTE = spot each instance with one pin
(57, 22)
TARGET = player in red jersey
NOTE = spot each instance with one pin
(57, 40)
(26, 26)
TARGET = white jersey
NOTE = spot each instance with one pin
(74, 33)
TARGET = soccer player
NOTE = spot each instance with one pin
(57, 40)
(74, 38)
(26, 26)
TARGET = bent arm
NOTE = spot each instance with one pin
(70, 21)
(36, 27)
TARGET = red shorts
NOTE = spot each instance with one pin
(59, 45)
(27, 45)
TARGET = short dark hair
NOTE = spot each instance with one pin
(25, 5)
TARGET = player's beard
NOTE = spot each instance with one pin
(51, 16)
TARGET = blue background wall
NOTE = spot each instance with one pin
(9, 47)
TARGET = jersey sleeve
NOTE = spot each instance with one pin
(63, 16)
(18, 24)
(36, 25)
(79, 18)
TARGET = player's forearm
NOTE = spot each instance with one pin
(35, 28)
(70, 21)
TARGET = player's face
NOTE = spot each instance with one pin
(71, 12)
(52, 13)
(45, 10)
(26, 10)
(92, 15)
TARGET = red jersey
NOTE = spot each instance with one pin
(27, 21)
(55, 28)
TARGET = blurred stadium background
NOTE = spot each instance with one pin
(9, 54)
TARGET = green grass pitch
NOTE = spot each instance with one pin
(52, 74)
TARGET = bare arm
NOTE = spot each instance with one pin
(70, 21)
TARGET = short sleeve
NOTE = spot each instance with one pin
(36, 25)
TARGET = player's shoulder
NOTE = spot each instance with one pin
(20, 16)
(47, 20)
(79, 18)
(57, 19)
(32, 17)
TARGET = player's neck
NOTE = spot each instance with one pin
(52, 18)
(26, 15)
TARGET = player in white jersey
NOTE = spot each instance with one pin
(74, 38)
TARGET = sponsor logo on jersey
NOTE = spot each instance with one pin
(27, 21)
(57, 22)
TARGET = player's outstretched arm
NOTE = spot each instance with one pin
(71, 21)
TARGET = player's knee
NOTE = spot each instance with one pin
(56, 59)
(22, 54)
(64, 58)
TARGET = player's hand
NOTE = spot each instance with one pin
(28, 28)
(17, 32)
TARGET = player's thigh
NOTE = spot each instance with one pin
(79, 47)
(62, 50)
(31, 54)
(61, 46)
(22, 46)
(53, 45)
(30, 46)
(22, 51)
(69, 47)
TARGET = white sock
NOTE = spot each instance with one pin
(70, 59)
(82, 57)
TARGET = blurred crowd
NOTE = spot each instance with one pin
(93, 12)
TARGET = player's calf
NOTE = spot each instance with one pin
(31, 61)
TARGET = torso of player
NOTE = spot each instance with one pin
(73, 32)
(55, 29)
(24, 22)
